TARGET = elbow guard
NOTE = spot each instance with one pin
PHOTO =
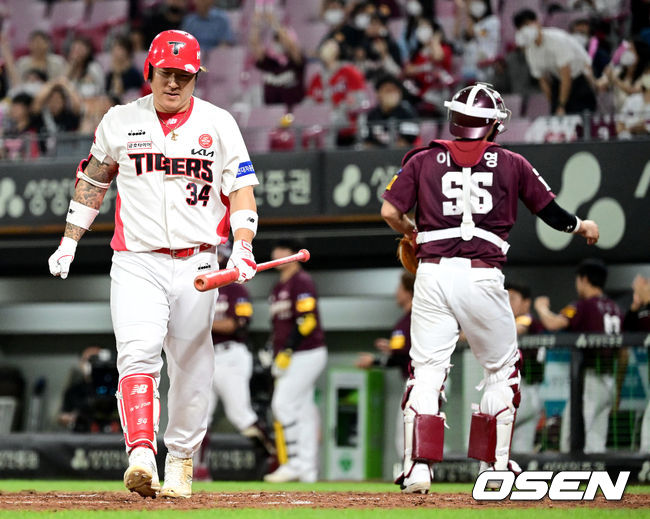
(306, 324)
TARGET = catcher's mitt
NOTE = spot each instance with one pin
(406, 254)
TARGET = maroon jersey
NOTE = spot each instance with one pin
(233, 302)
(595, 315)
(431, 180)
(400, 344)
(294, 306)
(638, 321)
(283, 80)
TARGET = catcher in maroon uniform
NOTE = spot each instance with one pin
(465, 193)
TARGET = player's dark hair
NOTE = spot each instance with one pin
(523, 17)
(520, 288)
(594, 270)
(408, 281)
(292, 244)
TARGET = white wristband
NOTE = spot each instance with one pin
(81, 215)
(577, 227)
(244, 219)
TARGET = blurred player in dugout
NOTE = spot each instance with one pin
(233, 367)
(532, 371)
(594, 312)
(637, 319)
(395, 351)
(300, 357)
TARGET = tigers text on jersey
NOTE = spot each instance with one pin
(432, 181)
(172, 193)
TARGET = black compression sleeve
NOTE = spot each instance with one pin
(558, 218)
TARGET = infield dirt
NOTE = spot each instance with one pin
(32, 500)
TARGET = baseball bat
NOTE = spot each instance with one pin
(220, 278)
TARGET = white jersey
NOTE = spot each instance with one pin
(172, 193)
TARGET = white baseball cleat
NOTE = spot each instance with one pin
(142, 474)
(178, 477)
(419, 480)
(283, 474)
(513, 466)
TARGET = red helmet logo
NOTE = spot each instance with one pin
(176, 46)
(173, 49)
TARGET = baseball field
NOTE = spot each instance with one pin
(340, 500)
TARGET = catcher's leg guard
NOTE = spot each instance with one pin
(423, 428)
(139, 407)
(491, 428)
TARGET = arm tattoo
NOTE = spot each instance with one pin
(90, 195)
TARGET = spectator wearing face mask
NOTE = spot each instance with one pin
(392, 119)
(623, 73)
(209, 25)
(598, 50)
(379, 53)
(281, 60)
(558, 62)
(85, 74)
(635, 114)
(414, 10)
(480, 32)
(343, 86)
(427, 73)
(351, 35)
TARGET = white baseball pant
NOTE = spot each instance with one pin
(597, 401)
(154, 306)
(450, 294)
(294, 407)
(530, 408)
(233, 367)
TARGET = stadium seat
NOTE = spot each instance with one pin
(26, 17)
(64, 16)
(563, 19)
(309, 114)
(537, 105)
(226, 64)
(516, 131)
(514, 103)
(310, 35)
(267, 117)
(448, 23)
(108, 13)
(428, 131)
(301, 11)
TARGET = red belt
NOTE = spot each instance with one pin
(476, 263)
(184, 253)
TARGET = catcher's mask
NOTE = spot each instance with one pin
(173, 49)
(475, 110)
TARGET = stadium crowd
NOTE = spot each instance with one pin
(377, 71)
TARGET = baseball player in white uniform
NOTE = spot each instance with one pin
(185, 179)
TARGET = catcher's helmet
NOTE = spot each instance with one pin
(173, 49)
(474, 110)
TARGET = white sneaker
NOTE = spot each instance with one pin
(142, 474)
(419, 480)
(178, 477)
(282, 474)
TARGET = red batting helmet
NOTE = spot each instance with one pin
(474, 110)
(173, 49)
